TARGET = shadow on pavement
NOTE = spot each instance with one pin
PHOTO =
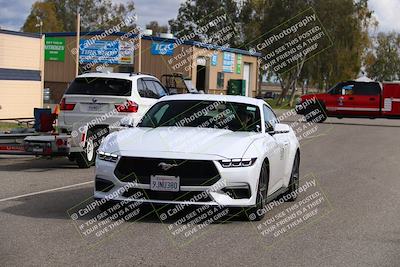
(35, 164)
(52, 205)
(55, 205)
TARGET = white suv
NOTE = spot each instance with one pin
(100, 101)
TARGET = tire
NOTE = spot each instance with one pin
(71, 157)
(294, 182)
(316, 114)
(87, 158)
(262, 189)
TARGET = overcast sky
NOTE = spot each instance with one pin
(14, 12)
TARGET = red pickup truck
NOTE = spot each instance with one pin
(354, 99)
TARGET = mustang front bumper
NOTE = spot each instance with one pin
(235, 187)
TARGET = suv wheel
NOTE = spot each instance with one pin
(87, 158)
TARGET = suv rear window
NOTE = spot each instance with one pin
(100, 86)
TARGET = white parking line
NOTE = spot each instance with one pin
(44, 191)
(314, 136)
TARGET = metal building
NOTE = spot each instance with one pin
(208, 67)
(21, 74)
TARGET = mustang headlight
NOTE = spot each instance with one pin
(107, 156)
(298, 101)
(232, 163)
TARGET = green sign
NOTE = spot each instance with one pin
(54, 49)
(239, 64)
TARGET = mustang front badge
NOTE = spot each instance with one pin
(166, 166)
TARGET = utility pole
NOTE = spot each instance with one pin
(39, 24)
(78, 34)
(140, 52)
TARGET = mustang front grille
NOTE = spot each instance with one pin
(190, 172)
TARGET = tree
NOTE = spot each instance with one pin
(105, 15)
(346, 22)
(156, 28)
(206, 18)
(67, 12)
(383, 62)
(95, 14)
(46, 13)
(263, 18)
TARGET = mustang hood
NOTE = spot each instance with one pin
(224, 143)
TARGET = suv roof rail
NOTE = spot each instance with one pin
(138, 73)
(90, 71)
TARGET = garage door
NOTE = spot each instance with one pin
(18, 98)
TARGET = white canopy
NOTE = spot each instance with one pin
(364, 79)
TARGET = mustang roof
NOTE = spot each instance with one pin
(227, 98)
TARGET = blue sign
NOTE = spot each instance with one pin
(95, 51)
(228, 62)
(162, 48)
(214, 60)
(110, 52)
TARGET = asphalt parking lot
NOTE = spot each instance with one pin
(354, 161)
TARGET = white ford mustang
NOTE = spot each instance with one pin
(201, 150)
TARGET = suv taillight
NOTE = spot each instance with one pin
(65, 106)
(130, 106)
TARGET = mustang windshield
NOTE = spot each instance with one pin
(204, 114)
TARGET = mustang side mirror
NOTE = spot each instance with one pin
(127, 122)
(269, 128)
(279, 128)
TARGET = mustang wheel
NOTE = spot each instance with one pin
(256, 213)
(294, 179)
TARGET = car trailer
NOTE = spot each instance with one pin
(41, 139)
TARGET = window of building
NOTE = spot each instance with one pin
(220, 80)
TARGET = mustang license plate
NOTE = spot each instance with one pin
(164, 183)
